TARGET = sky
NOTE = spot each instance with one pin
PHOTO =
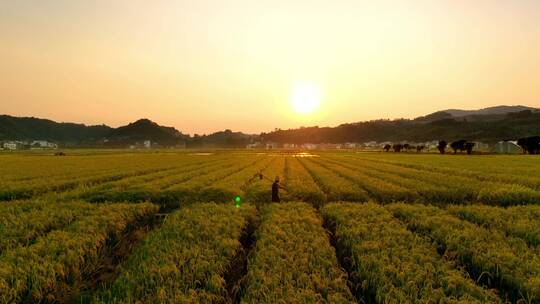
(203, 66)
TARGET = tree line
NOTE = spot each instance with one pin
(530, 145)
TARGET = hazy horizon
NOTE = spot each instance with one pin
(207, 66)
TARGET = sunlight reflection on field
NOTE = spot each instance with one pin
(305, 154)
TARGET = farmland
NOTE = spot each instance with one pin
(187, 227)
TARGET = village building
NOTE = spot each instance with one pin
(309, 146)
(43, 144)
(271, 145)
(351, 145)
(11, 145)
(290, 146)
(506, 147)
(255, 145)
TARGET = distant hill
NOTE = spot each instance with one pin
(498, 110)
(489, 127)
(70, 134)
(31, 128)
(491, 113)
(224, 139)
(145, 129)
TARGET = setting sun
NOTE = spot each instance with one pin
(306, 98)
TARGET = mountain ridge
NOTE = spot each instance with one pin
(496, 110)
(487, 124)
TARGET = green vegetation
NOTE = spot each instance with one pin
(390, 264)
(22, 222)
(185, 261)
(293, 261)
(518, 221)
(171, 227)
(489, 256)
(56, 263)
(300, 185)
(334, 186)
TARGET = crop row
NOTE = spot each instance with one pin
(78, 171)
(336, 187)
(55, 264)
(185, 260)
(20, 168)
(517, 170)
(300, 184)
(390, 264)
(434, 186)
(193, 183)
(491, 257)
(22, 222)
(145, 187)
(457, 188)
(518, 221)
(378, 188)
(226, 188)
(293, 261)
(46, 185)
(408, 188)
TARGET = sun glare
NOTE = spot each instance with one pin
(306, 98)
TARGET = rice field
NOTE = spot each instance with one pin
(186, 227)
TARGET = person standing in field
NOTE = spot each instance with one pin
(275, 190)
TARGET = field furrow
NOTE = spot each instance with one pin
(378, 188)
(21, 222)
(517, 221)
(53, 268)
(480, 169)
(185, 260)
(149, 187)
(490, 257)
(228, 188)
(293, 261)
(336, 187)
(460, 188)
(300, 184)
(389, 264)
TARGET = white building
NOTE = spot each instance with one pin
(255, 145)
(326, 146)
(147, 144)
(43, 144)
(480, 146)
(309, 146)
(271, 145)
(11, 145)
(290, 146)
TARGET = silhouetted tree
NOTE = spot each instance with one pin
(458, 145)
(387, 147)
(420, 148)
(530, 144)
(442, 146)
(397, 147)
(469, 147)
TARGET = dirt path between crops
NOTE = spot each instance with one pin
(239, 266)
(108, 269)
(343, 260)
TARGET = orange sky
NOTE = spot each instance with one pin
(204, 66)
